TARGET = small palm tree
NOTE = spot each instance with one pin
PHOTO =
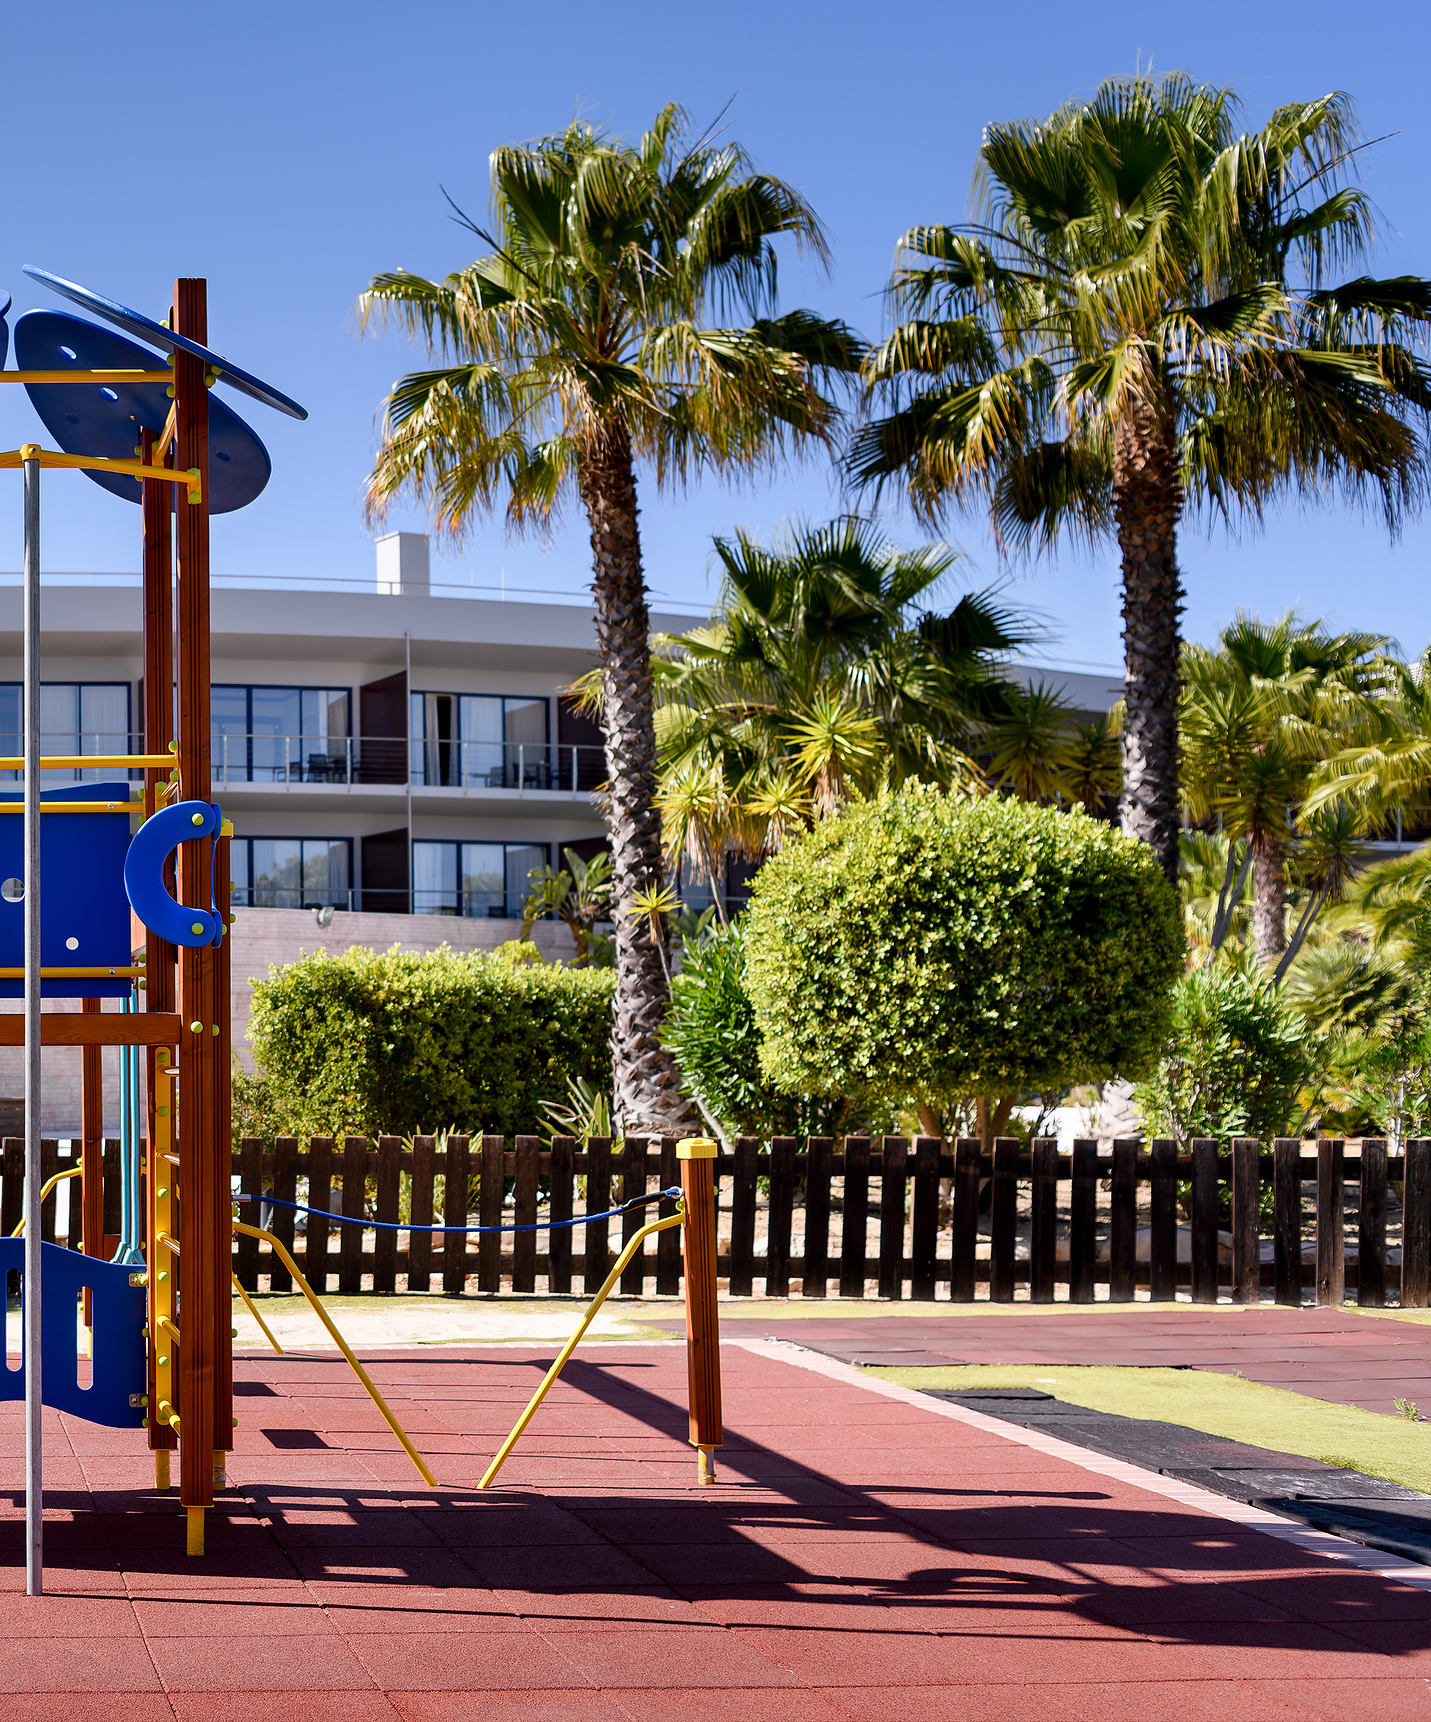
(1140, 320)
(577, 348)
(1260, 715)
(821, 676)
(1093, 764)
(1030, 752)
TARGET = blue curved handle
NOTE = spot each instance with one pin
(150, 848)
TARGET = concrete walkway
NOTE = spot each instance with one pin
(866, 1555)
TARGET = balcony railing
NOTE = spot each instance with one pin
(397, 760)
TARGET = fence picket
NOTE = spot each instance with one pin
(320, 1195)
(285, 1188)
(1331, 1256)
(855, 1219)
(1003, 1220)
(457, 1209)
(1204, 1221)
(1416, 1223)
(893, 1165)
(1043, 1230)
(819, 1155)
(355, 1190)
(668, 1243)
(633, 1184)
(1246, 1236)
(964, 1241)
(387, 1202)
(527, 1175)
(1123, 1222)
(12, 1198)
(250, 1184)
(419, 1247)
(1371, 1224)
(926, 1216)
(1083, 1222)
(598, 1200)
(782, 1202)
(563, 1191)
(1287, 1218)
(1163, 1222)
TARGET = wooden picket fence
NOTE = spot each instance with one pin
(1082, 1214)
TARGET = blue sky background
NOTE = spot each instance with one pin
(312, 151)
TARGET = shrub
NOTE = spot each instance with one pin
(711, 1030)
(1232, 1065)
(399, 1043)
(925, 947)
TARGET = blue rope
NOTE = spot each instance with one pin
(671, 1195)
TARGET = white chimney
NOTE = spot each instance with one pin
(403, 565)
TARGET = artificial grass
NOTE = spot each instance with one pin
(1391, 1447)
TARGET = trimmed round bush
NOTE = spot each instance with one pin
(923, 947)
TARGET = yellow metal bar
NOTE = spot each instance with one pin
(171, 426)
(103, 376)
(161, 1216)
(168, 1327)
(549, 1379)
(356, 1367)
(167, 1414)
(48, 974)
(248, 1305)
(125, 807)
(191, 479)
(170, 1244)
(80, 761)
(48, 1185)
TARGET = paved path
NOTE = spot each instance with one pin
(1325, 1353)
(864, 1557)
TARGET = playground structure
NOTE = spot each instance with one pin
(159, 1306)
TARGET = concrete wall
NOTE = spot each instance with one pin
(262, 937)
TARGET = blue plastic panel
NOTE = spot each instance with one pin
(118, 1367)
(81, 893)
(4, 329)
(106, 418)
(136, 323)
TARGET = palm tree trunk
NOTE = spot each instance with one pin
(646, 1083)
(1147, 501)
(1269, 899)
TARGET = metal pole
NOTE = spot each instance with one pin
(34, 1413)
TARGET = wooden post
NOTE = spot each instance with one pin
(1163, 1267)
(1204, 1220)
(1371, 1225)
(1123, 1231)
(1043, 1239)
(1416, 1223)
(702, 1321)
(204, 1295)
(1287, 1218)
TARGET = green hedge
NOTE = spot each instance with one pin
(399, 1044)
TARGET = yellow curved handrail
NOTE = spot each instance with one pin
(45, 1188)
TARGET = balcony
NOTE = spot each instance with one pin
(380, 770)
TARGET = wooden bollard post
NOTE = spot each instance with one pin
(702, 1322)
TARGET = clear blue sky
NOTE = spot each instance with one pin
(290, 151)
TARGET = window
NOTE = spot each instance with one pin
(481, 879)
(281, 735)
(292, 872)
(75, 717)
(480, 741)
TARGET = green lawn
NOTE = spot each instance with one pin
(1389, 1447)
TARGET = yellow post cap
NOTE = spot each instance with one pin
(696, 1148)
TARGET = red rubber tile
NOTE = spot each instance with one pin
(33, 1664)
(292, 1613)
(214, 1662)
(597, 1566)
(966, 1702)
(555, 1611)
(1284, 1650)
(736, 1704)
(574, 1706)
(467, 1662)
(317, 1706)
(429, 1566)
(58, 1614)
(88, 1707)
(1393, 1700)
(671, 1657)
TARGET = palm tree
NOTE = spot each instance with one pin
(576, 348)
(821, 676)
(1138, 319)
(1030, 745)
(1259, 716)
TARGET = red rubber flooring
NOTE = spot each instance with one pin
(862, 1558)
(1325, 1353)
